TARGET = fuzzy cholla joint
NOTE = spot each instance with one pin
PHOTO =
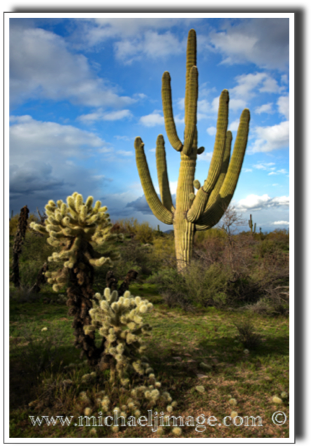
(120, 322)
(75, 227)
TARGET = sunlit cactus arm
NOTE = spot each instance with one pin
(212, 215)
(191, 111)
(168, 112)
(215, 192)
(165, 192)
(191, 60)
(219, 147)
(201, 198)
(159, 210)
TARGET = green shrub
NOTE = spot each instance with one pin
(164, 251)
(134, 256)
(243, 289)
(200, 285)
(247, 336)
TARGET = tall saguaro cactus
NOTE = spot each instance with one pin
(203, 210)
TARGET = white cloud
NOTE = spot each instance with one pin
(271, 138)
(234, 125)
(265, 108)
(264, 166)
(150, 44)
(281, 222)
(156, 119)
(153, 119)
(29, 137)
(247, 170)
(100, 29)
(283, 106)
(212, 130)
(264, 42)
(254, 202)
(124, 153)
(36, 58)
(205, 156)
(110, 116)
(248, 85)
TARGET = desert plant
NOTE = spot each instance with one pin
(75, 229)
(18, 242)
(205, 209)
(120, 323)
(202, 285)
(251, 225)
(247, 336)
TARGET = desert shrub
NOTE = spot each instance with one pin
(35, 248)
(267, 247)
(200, 285)
(136, 256)
(212, 233)
(247, 336)
(242, 289)
(210, 249)
(144, 233)
(22, 294)
(164, 252)
(172, 286)
(261, 307)
(127, 226)
(44, 347)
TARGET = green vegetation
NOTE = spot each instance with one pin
(218, 344)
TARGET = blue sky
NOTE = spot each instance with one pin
(82, 89)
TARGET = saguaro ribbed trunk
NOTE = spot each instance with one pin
(205, 209)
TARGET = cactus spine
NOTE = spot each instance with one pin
(203, 210)
(77, 228)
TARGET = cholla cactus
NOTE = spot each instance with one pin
(77, 228)
(120, 322)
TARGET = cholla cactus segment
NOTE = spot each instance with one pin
(77, 225)
(119, 321)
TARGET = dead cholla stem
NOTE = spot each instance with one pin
(18, 242)
(80, 295)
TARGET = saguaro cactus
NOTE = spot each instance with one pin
(251, 226)
(203, 210)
